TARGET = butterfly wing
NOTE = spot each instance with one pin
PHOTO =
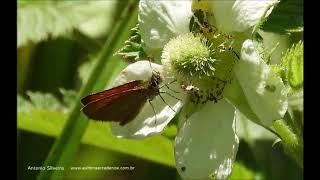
(120, 107)
(131, 85)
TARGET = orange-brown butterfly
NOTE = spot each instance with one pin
(122, 103)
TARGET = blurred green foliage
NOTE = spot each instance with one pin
(54, 63)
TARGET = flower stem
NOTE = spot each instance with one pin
(65, 147)
(293, 143)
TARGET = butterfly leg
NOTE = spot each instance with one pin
(155, 114)
(166, 103)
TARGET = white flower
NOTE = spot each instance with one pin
(175, 14)
(172, 16)
(206, 143)
(265, 92)
(148, 123)
(238, 15)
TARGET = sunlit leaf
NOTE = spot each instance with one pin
(40, 20)
(38, 117)
(45, 101)
(68, 96)
(287, 16)
(295, 65)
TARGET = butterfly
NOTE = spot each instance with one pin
(122, 103)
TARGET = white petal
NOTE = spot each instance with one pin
(140, 70)
(161, 20)
(147, 123)
(206, 144)
(265, 92)
(270, 40)
(238, 15)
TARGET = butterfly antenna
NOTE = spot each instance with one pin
(171, 95)
(236, 54)
(153, 71)
(171, 89)
(149, 63)
(167, 103)
(168, 84)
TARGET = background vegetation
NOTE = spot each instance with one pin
(65, 51)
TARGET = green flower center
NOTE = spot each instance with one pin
(201, 66)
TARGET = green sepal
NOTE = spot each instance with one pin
(133, 47)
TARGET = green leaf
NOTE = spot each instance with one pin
(295, 65)
(68, 96)
(287, 16)
(45, 101)
(133, 50)
(40, 20)
(48, 118)
(291, 68)
(22, 104)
